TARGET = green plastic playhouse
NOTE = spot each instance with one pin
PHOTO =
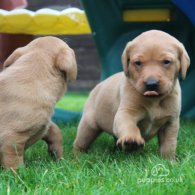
(115, 22)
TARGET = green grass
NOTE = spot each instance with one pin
(103, 170)
(73, 101)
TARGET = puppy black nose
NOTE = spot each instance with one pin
(151, 85)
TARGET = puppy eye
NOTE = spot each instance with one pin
(166, 62)
(138, 63)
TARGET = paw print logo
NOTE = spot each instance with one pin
(160, 171)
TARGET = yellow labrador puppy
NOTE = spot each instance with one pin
(142, 102)
(33, 79)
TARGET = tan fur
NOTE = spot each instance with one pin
(118, 104)
(33, 80)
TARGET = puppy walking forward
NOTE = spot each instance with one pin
(142, 102)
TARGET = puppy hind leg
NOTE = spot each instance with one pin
(86, 134)
(54, 140)
(167, 139)
(12, 154)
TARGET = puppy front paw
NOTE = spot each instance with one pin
(130, 143)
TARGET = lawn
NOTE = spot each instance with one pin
(73, 101)
(104, 169)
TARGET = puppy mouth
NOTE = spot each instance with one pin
(151, 93)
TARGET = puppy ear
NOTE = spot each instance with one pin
(126, 58)
(66, 62)
(12, 58)
(184, 60)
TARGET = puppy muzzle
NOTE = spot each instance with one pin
(151, 88)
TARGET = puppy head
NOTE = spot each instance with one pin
(51, 49)
(63, 55)
(152, 62)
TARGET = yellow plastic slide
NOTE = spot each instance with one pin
(44, 21)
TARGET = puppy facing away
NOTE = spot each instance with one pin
(142, 102)
(33, 79)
